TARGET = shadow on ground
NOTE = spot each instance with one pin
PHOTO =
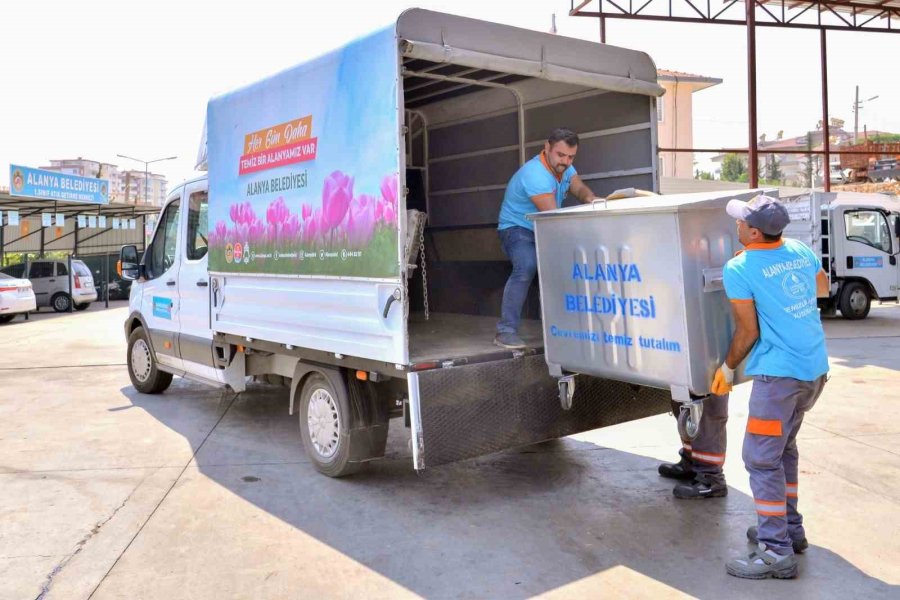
(550, 517)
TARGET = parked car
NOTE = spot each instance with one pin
(119, 289)
(16, 297)
(52, 281)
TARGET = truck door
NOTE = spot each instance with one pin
(195, 335)
(894, 221)
(159, 300)
(869, 249)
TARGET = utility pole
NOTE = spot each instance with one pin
(857, 104)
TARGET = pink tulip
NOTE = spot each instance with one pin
(390, 215)
(337, 193)
(311, 228)
(257, 232)
(389, 190)
(291, 229)
(242, 213)
(277, 212)
(306, 211)
(361, 222)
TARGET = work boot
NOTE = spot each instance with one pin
(800, 545)
(704, 485)
(509, 340)
(683, 469)
(763, 563)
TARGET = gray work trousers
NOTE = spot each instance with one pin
(707, 450)
(777, 406)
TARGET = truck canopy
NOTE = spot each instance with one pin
(429, 39)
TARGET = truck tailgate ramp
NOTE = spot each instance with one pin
(467, 411)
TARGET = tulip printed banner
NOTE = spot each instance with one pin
(304, 168)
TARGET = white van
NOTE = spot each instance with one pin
(52, 283)
(344, 240)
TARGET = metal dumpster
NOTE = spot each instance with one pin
(632, 290)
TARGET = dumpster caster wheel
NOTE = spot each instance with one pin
(689, 419)
(566, 387)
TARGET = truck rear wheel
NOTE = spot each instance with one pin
(142, 368)
(855, 301)
(325, 426)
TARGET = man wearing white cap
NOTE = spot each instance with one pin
(773, 286)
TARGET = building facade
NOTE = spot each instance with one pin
(675, 119)
(138, 189)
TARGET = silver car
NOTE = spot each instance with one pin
(52, 281)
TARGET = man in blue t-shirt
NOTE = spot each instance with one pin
(773, 286)
(540, 184)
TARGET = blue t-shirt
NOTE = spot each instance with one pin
(532, 179)
(781, 281)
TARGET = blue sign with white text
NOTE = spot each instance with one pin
(50, 185)
(868, 262)
(162, 307)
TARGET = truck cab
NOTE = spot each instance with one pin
(169, 301)
(866, 239)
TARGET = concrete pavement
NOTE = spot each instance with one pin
(199, 493)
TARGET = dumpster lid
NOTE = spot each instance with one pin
(650, 204)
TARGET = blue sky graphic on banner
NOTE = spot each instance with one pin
(304, 167)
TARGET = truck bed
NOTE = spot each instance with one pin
(449, 336)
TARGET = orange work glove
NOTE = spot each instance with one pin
(723, 380)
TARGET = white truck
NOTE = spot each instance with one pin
(857, 236)
(343, 240)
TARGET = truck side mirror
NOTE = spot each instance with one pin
(897, 225)
(128, 266)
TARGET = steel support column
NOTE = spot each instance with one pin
(753, 159)
(826, 135)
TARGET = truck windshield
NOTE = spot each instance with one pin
(868, 227)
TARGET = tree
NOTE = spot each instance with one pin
(772, 170)
(732, 167)
(704, 175)
(885, 137)
(809, 171)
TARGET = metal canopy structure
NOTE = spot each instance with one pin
(879, 16)
(32, 237)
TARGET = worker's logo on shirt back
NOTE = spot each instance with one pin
(796, 285)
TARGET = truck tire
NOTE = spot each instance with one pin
(142, 368)
(60, 302)
(855, 301)
(325, 426)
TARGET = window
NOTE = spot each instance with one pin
(161, 253)
(868, 227)
(40, 270)
(61, 269)
(81, 269)
(16, 271)
(197, 226)
(660, 109)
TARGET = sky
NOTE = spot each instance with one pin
(98, 78)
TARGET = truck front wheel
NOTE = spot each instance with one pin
(325, 426)
(142, 368)
(855, 301)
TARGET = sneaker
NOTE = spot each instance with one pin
(683, 469)
(703, 486)
(509, 340)
(799, 545)
(763, 563)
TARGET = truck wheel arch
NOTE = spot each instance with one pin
(303, 370)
